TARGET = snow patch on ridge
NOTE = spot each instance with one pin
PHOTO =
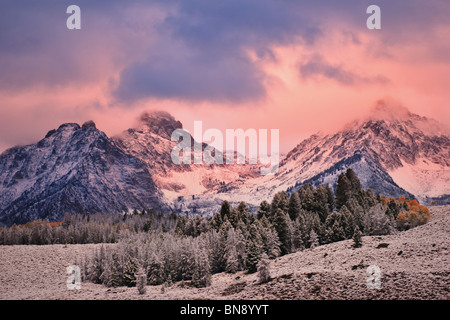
(424, 178)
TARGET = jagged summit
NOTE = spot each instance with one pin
(68, 126)
(72, 170)
(394, 151)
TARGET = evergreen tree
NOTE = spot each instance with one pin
(393, 209)
(254, 249)
(243, 229)
(271, 242)
(309, 221)
(225, 210)
(116, 278)
(279, 201)
(202, 274)
(321, 202)
(335, 227)
(313, 240)
(96, 266)
(243, 214)
(357, 212)
(155, 272)
(232, 261)
(233, 218)
(264, 269)
(263, 210)
(294, 206)
(357, 238)
(241, 247)
(129, 272)
(235, 251)
(343, 190)
(141, 280)
(283, 231)
(216, 221)
(216, 246)
(330, 198)
(180, 226)
(354, 181)
(306, 195)
(347, 222)
(187, 260)
(297, 236)
(110, 276)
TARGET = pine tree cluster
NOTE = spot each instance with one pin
(81, 229)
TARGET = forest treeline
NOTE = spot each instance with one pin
(168, 248)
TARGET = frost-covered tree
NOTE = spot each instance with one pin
(186, 262)
(110, 276)
(130, 269)
(264, 269)
(281, 225)
(155, 272)
(202, 273)
(377, 222)
(271, 242)
(232, 262)
(297, 236)
(306, 195)
(217, 249)
(254, 249)
(313, 240)
(263, 210)
(231, 255)
(96, 265)
(141, 280)
(357, 238)
(241, 247)
(357, 212)
(339, 225)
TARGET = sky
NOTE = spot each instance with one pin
(293, 65)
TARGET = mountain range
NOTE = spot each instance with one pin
(79, 169)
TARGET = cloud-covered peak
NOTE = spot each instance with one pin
(159, 122)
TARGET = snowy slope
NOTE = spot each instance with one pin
(424, 178)
(151, 142)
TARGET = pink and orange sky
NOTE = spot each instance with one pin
(296, 66)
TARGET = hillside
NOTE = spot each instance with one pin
(414, 265)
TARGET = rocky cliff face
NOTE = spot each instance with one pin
(76, 170)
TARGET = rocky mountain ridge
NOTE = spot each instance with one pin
(78, 169)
